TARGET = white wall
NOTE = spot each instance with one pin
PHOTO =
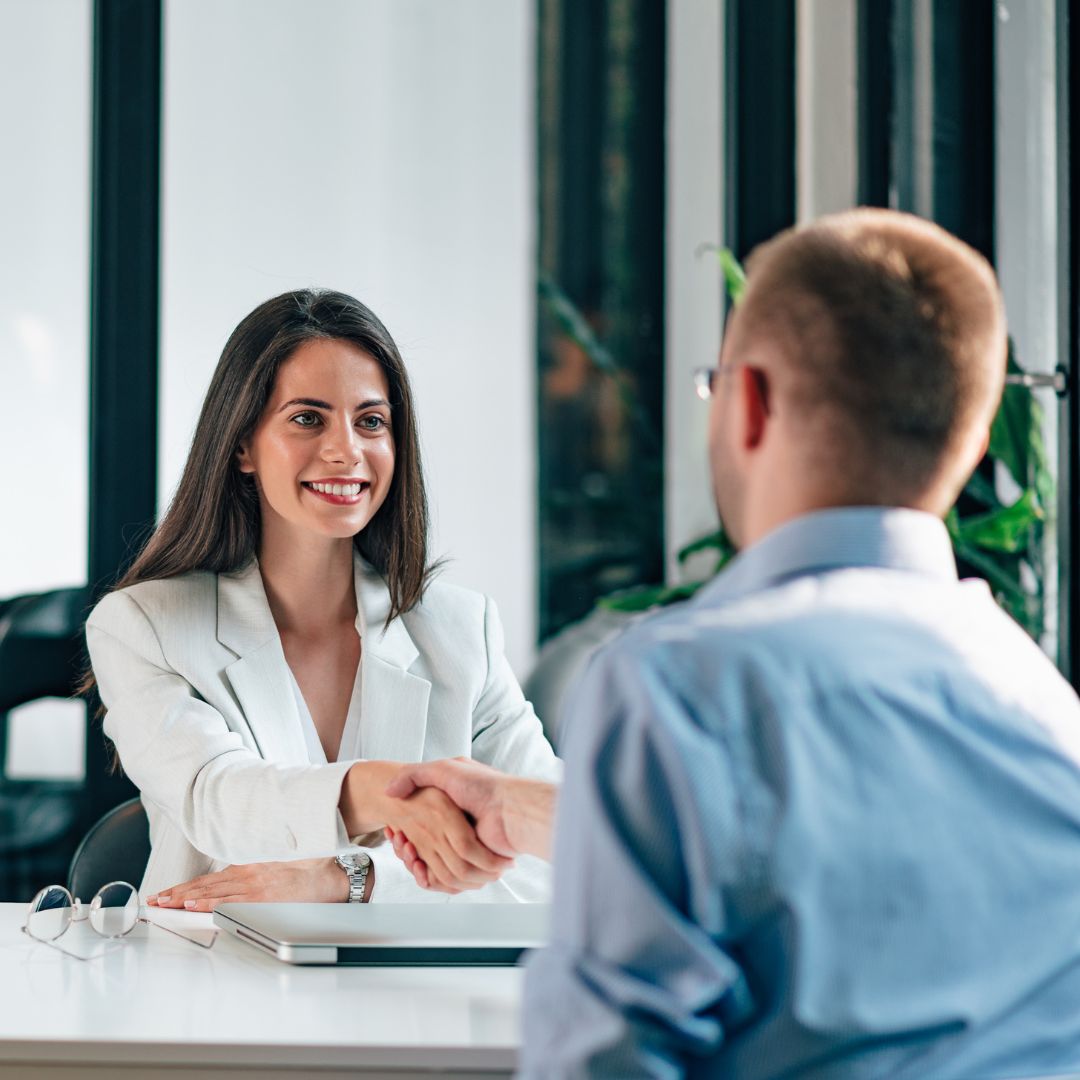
(44, 291)
(44, 334)
(694, 285)
(384, 149)
(826, 107)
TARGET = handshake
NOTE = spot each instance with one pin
(458, 824)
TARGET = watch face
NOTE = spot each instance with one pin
(355, 860)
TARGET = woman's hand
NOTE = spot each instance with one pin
(445, 841)
(310, 880)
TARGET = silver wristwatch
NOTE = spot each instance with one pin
(356, 865)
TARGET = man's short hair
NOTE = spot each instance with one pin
(895, 332)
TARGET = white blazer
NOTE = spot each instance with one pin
(203, 713)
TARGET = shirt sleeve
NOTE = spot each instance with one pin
(636, 980)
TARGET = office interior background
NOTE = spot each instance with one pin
(531, 194)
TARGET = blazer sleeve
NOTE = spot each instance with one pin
(506, 732)
(179, 751)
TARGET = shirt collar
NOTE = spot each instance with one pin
(890, 538)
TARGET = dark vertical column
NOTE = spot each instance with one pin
(760, 121)
(875, 100)
(124, 281)
(582, 65)
(964, 120)
(600, 152)
(123, 313)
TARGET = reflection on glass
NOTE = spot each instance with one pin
(601, 159)
(51, 913)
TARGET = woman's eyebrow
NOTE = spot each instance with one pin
(314, 403)
(310, 403)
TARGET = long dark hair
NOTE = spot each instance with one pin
(213, 522)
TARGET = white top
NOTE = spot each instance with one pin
(154, 1000)
(349, 749)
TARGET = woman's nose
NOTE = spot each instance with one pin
(342, 444)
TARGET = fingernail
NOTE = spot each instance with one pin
(189, 904)
(152, 899)
(164, 899)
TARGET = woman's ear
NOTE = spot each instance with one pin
(243, 459)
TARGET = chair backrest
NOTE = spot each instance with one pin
(117, 848)
(41, 645)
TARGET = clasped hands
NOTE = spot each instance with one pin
(448, 821)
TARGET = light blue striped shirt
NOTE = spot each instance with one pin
(821, 821)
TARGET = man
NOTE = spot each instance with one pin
(823, 820)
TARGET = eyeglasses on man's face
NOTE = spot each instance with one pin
(112, 914)
(705, 379)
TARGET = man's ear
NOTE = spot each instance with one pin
(754, 391)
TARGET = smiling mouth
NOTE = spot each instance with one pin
(338, 494)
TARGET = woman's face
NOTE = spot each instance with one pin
(323, 450)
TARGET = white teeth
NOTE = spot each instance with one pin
(348, 490)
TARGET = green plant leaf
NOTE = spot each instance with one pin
(1007, 530)
(1016, 438)
(1000, 575)
(734, 275)
(730, 267)
(714, 541)
(982, 490)
(649, 596)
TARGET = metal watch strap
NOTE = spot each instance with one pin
(356, 867)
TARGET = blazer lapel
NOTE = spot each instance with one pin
(393, 702)
(259, 676)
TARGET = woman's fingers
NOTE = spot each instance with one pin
(196, 887)
(400, 843)
(420, 873)
(430, 829)
(210, 902)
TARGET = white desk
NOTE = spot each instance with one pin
(156, 1006)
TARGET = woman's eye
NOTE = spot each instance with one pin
(372, 422)
(306, 419)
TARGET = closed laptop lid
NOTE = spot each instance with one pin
(389, 934)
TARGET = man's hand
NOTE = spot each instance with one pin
(475, 788)
(512, 815)
(454, 856)
(307, 880)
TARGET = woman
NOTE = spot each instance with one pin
(277, 649)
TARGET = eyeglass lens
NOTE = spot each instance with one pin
(114, 911)
(50, 914)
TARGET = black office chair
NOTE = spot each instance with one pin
(117, 848)
(41, 655)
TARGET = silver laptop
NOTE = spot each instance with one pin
(394, 935)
